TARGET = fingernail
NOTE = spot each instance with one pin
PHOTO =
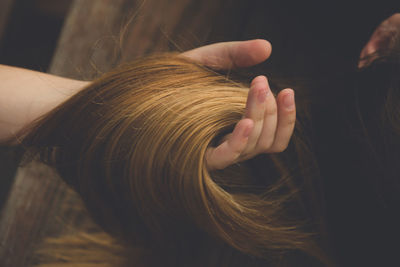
(288, 101)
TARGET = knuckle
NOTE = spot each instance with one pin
(290, 112)
(265, 145)
(236, 154)
(291, 120)
(248, 151)
(271, 110)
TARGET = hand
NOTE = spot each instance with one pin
(229, 55)
(265, 128)
(267, 125)
(381, 39)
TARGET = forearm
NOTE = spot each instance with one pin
(26, 95)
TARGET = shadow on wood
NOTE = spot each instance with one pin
(91, 43)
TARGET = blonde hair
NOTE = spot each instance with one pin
(132, 144)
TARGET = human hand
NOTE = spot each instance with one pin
(265, 128)
(268, 124)
(382, 38)
(227, 55)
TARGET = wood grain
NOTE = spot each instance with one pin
(99, 34)
(96, 36)
(5, 11)
(34, 194)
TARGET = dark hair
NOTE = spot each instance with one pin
(356, 120)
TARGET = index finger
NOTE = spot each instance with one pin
(227, 55)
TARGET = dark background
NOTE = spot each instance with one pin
(29, 37)
(310, 39)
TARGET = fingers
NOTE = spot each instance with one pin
(267, 127)
(286, 121)
(249, 53)
(255, 107)
(270, 119)
(227, 55)
(261, 108)
(230, 150)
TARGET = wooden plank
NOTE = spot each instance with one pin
(40, 204)
(38, 201)
(5, 10)
(32, 196)
(92, 32)
(88, 34)
(9, 158)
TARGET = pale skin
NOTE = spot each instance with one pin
(26, 95)
(268, 122)
(266, 126)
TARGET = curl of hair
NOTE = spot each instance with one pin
(132, 144)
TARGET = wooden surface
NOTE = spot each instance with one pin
(39, 204)
(98, 34)
(34, 195)
(5, 10)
